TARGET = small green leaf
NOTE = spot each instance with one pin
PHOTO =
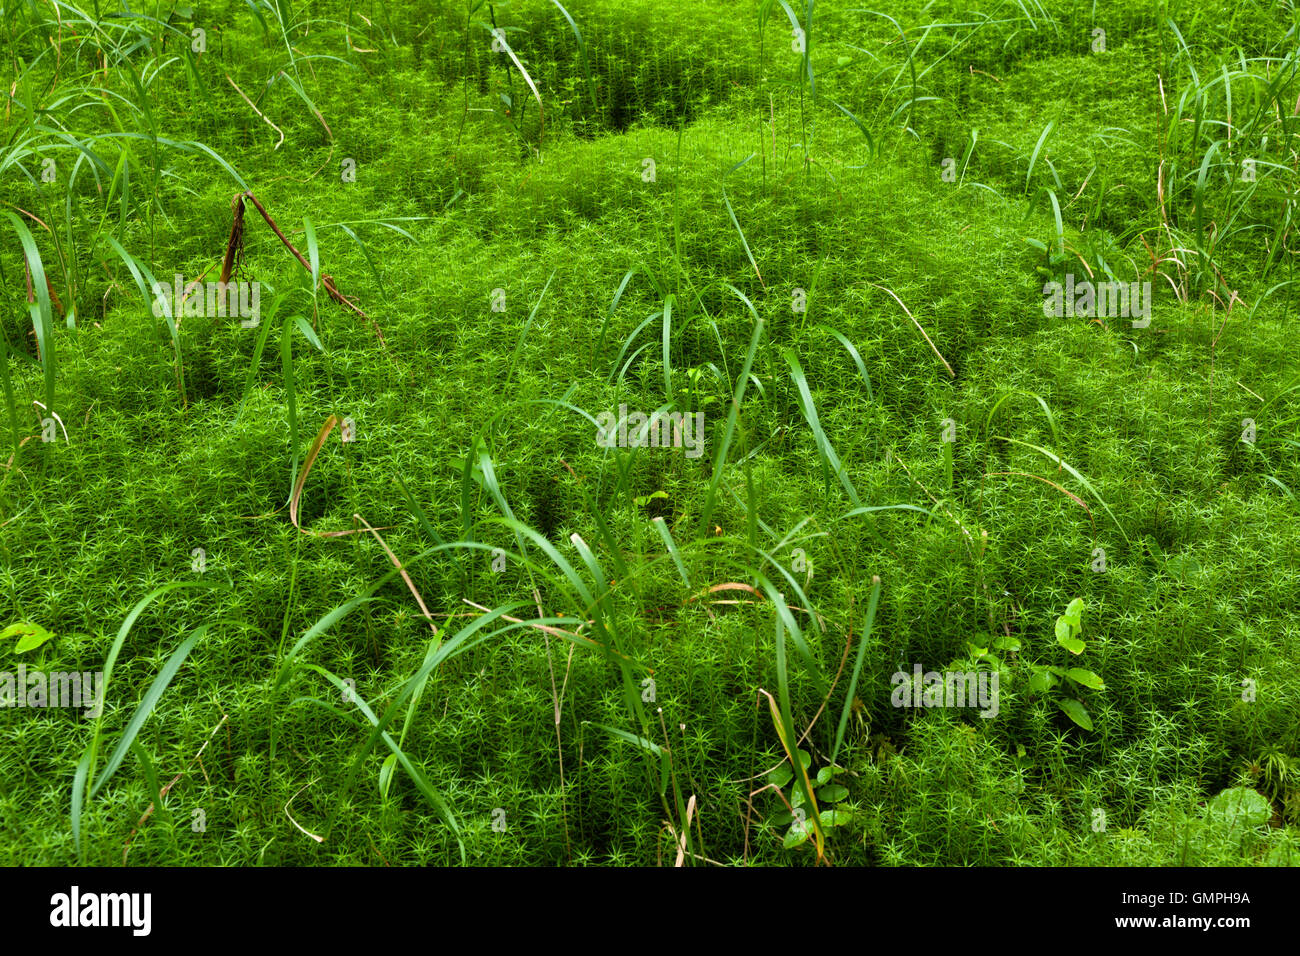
(1075, 711)
(797, 798)
(1042, 682)
(796, 836)
(1071, 644)
(1063, 630)
(1074, 612)
(30, 636)
(832, 793)
(825, 774)
(1007, 643)
(804, 758)
(782, 818)
(386, 775)
(780, 776)
(835, 818)
(1086, 678)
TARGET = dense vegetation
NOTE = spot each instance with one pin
(826, 231)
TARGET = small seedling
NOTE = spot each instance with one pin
(795, 815)
(1065, 685)
(30, 636)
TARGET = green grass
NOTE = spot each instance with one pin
(474, 635)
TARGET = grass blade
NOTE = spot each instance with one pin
(857, 667)
(1077, 477)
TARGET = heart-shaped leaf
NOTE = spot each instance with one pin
(30, 636)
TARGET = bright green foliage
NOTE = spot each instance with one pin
(826, 249)
(1064, 685)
